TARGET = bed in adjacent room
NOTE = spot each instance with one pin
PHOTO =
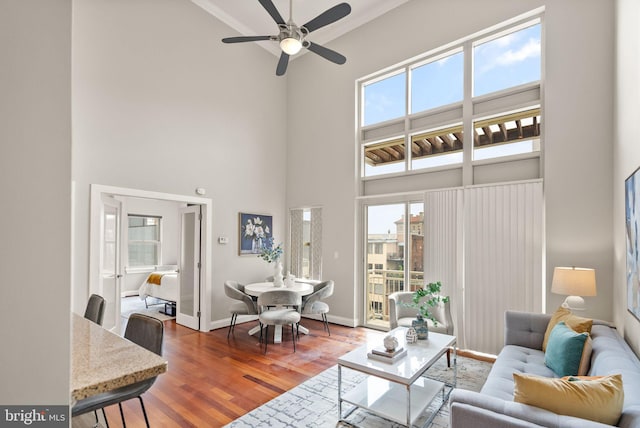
(161, 284)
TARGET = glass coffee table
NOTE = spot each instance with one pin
(397, 390)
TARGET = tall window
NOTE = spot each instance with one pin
(144, 240)
(414, 117)
(306, 243)
(395, 260)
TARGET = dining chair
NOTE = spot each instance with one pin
(289, 302)
(245, 305)
(312, 304)
(147, 332)
(95, 309)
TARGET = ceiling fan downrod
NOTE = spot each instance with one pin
(290, 35)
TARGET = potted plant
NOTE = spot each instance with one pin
(425, 299)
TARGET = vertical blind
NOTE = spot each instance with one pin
(297, 242)
(443, 249)
(503, 261)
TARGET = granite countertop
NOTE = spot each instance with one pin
(102, 361)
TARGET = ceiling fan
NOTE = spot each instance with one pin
(292, 38)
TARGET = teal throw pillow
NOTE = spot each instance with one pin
(564, 350)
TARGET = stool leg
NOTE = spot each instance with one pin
(449, 357)
(144, 412)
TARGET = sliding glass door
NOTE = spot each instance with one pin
(394, 255)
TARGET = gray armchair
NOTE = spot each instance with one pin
(312, 304)
(244, 306)
(289, 302)
(402, 313)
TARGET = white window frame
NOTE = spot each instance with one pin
(158, 243)
(469, 110)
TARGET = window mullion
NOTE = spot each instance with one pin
(467, 115)
(407, 122)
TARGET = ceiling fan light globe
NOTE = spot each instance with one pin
(290, 45)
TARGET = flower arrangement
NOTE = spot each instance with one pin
(431, 291)
(257, 231)
(271, 253)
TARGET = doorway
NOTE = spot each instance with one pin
(193, 266)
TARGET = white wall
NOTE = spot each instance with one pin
(35, 220)
(161, 104)
(626, 152)
(168, 210)
(579, 82)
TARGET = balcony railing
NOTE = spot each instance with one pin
(381, 283)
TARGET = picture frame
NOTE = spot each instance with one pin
(254, 230)
(632, 232)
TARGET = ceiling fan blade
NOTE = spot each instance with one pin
(329, 16)
(241, 39)
(282, 64)
(326, 53)
(270, 7)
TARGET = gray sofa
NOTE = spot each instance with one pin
(494, 407)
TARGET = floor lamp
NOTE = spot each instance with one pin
(574, 282)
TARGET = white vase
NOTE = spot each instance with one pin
(277, 274)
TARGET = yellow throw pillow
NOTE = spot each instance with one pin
(576, 323)
(598, 399)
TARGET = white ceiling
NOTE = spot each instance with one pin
(249, 18)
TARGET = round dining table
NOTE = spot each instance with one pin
(257, 288)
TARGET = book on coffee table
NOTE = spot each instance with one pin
(382, 351)
(385, 356)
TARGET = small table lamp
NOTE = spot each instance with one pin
(574, 282)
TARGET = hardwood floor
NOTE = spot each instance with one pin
(212, 381)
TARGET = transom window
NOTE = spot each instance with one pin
(437, 83)
(416, 116)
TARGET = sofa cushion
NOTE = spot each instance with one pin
(611, 355)
(576, 323)
(514, 359)
(564, 350)
(598, 399)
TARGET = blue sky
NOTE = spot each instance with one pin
(498, 64)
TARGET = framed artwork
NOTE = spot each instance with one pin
(254, 231)
(632, 225)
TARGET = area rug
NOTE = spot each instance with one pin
(314, 403)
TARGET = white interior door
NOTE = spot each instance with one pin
(109, 279)
(188, 304)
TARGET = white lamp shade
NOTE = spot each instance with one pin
(573, 281)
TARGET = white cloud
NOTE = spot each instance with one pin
(530, 50)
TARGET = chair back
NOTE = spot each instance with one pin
(321, 291)
(145, 331)
(279, 297)
(235, 290)
(95, 309)
(401, 306)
